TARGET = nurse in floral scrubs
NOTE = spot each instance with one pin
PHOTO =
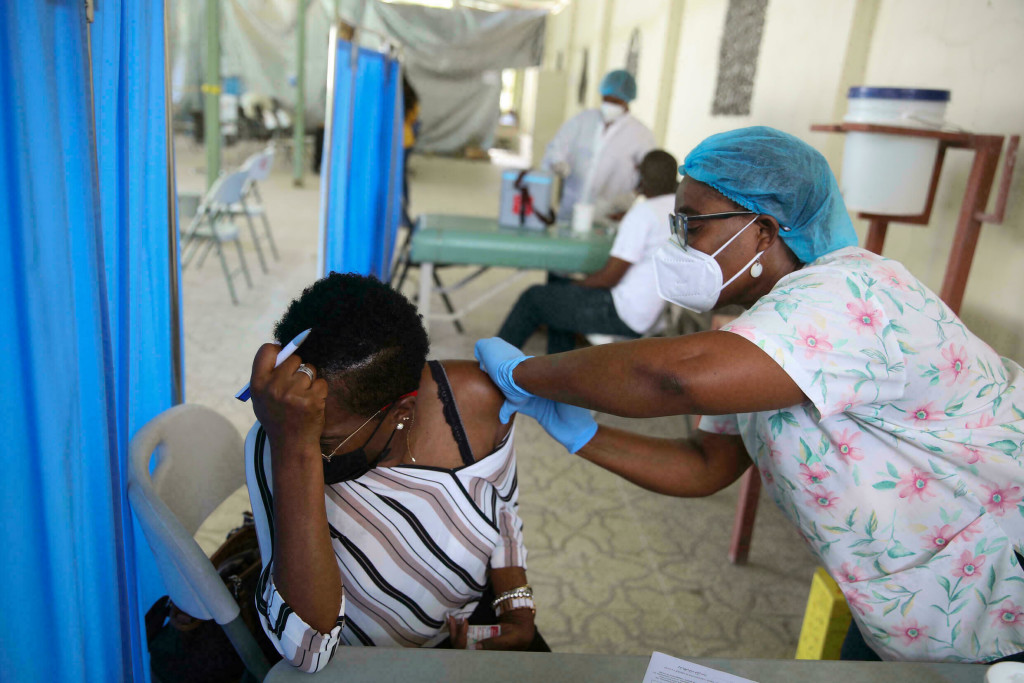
(888, 433)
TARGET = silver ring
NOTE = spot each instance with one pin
(306, 370)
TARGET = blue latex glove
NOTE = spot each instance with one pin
(571, 426)
(498, 359)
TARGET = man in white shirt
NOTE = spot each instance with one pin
(621, 298)
(597, 152)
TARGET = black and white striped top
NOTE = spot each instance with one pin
(413, 544)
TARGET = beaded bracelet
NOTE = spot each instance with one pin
(517, 598)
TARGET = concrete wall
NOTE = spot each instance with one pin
(648, 17)
(811, 52)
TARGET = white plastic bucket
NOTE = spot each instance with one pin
(890, 174)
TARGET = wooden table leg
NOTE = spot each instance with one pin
(746, 511)
(877, 228)
(968, 227)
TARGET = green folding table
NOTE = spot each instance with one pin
(480, 241)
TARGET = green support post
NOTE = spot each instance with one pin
(298, 144)
(211, 92)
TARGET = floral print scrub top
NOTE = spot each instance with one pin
(905, 470)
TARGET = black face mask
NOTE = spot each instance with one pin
(354, 464)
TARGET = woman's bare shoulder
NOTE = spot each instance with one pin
(479, 401)
(474, 390)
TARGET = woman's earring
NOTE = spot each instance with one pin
(400, 426)
(756, 269)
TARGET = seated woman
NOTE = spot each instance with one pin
(383, 486)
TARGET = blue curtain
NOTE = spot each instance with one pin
(131, 132)
(362, 182)
(62, 586)
(85, 309)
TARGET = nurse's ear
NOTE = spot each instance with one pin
(777, 253)
(767, 232)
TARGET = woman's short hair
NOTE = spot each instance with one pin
(368, 340)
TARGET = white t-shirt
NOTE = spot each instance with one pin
(644, 228)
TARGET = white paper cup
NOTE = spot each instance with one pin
(582, 217)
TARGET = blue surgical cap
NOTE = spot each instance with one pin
(619, 83)
(777, 174)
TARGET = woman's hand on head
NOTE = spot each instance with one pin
(287, 402)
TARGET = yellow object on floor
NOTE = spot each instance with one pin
(826, 620)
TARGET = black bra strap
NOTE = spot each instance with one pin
(451, 411)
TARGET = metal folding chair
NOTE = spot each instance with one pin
(212, 227)
(251, 204)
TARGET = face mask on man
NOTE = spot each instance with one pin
(690, 278)
(610, 111)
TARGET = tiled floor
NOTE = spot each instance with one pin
(616, 569)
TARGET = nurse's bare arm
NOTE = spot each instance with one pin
(709, 373)
(687, 467)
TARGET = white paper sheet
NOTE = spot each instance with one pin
(666, 669)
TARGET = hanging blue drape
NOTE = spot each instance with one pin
(86, 307)
(62, 586)
(128, 72)
(361, 181)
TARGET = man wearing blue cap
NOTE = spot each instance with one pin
(886, 431)
(597, 152)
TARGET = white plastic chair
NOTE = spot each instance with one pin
(209, 227)
(661, 325)
(199, 462)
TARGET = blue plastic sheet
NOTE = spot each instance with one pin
(85, 306)
(361, 181)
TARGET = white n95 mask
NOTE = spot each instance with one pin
(690, 278)
(611, 111)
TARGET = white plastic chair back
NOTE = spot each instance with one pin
(199, 462)
(227, 189)
(258, 165)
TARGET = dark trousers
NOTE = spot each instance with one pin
(567, 309)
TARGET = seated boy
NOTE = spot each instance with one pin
(619, 299)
